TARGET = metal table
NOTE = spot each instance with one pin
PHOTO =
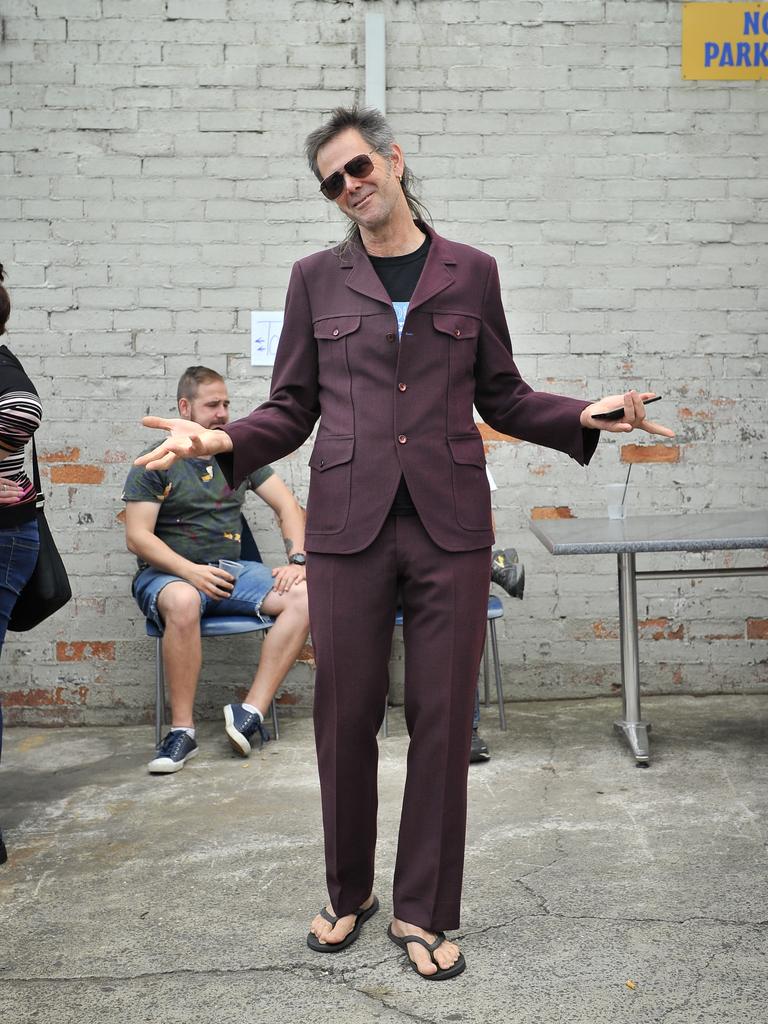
(690, 531)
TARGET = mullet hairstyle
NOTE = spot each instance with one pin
(192, 378)
(375, 129)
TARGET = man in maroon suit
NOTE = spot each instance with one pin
(389, 340)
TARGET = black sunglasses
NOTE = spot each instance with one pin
(358, 167)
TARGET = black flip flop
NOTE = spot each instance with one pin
(336, 947)
(442, 973)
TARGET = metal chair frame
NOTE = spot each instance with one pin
(222, 625)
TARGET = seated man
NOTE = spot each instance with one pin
(179, 523)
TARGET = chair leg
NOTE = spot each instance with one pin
(486, 679)
(275, 726)
(497, 673)
(159, 691)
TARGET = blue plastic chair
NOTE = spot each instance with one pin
(495, 611)
(213, 625)
(210, 625)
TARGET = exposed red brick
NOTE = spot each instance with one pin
(76, 474)
(650, 453)
(85, 650)
(287, 699)
(757, 629)
(699, 414)
(677, 676)
(489, 434)
(724, 636)
(34, 698)
(659, 629)
(603, 632)
(307, 655)
(540, 470)
(65, 455)
(552, 512)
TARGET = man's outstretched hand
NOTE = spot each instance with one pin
(633, 418)
(186, 440)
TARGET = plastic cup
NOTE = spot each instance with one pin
(614, 495)
(233, 568)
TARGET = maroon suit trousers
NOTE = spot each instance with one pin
(352, 603)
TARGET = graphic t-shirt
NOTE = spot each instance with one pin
(199, 515)
(400, 275)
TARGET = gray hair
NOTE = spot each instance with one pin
(376, 131)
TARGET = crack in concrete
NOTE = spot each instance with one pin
(346, 978)
(541, 900)
(699, 975)
(756, 925)
(213, 972)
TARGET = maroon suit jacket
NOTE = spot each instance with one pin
(388, 407)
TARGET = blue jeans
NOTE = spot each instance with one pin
(19, 546)
(251, 587)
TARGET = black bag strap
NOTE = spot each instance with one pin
(40, 499)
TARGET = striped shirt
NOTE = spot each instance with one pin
(20, 415)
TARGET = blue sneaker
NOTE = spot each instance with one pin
(176, 748)
(242, 726)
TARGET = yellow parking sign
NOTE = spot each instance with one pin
(725, 41)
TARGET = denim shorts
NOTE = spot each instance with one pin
(251, 587)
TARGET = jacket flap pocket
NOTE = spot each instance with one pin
(331, 328)
(458, 325)
(468, 450)
(331, 451)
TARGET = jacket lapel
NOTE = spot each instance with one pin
(363, 278)
(435, 277)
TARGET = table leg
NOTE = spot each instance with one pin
(635, 731)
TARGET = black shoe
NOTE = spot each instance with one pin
(243, 727)
(507, 572)
(177, 747)
(3, 851)
(479, 750)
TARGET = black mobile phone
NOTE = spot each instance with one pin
(616, 414)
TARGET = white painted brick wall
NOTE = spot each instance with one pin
(153, 192)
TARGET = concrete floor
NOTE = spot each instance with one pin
(133, 898)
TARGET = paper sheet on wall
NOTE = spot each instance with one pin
(265, 334)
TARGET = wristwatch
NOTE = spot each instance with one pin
(297, 559)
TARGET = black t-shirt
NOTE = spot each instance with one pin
(400, 275)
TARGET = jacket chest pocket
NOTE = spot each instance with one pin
(458, 326)
(335, 328)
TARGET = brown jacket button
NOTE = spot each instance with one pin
(457, 332)
(390, 337)
(402, 439)
(336, 332)
(402, 387)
